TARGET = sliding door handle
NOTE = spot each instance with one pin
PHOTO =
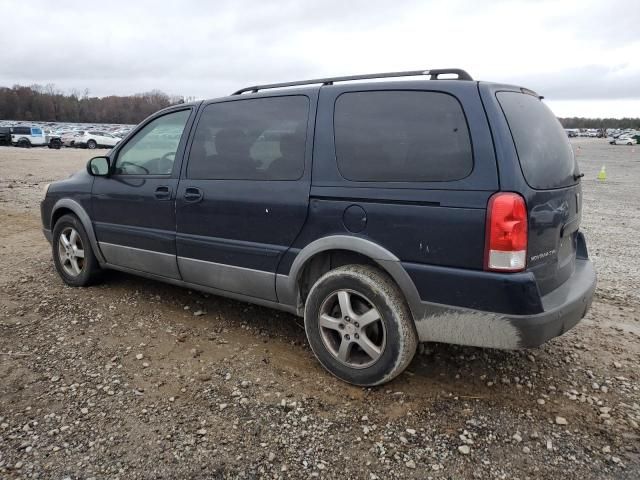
(192, 194)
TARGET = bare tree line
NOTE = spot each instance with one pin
(581, 122)
(48, 104)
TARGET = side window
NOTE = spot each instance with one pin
(152, 150)
(256, 139)
(401, 136)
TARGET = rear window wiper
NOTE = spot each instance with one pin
(577, 176)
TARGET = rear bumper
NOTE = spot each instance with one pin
(562, 309)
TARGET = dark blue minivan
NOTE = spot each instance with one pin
(386, 213)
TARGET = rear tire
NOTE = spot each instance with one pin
(73, 257)
(359, 325)
(24, 143)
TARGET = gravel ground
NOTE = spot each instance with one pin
(136, 379)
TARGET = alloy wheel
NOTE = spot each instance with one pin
(71, 251)
(352, 329)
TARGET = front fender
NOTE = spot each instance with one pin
(80, 212)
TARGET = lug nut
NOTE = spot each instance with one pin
(347, 319)
(341, 326)
(356, 324)
(356, 336)
(347, 337)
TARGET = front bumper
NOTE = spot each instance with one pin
(562, 309)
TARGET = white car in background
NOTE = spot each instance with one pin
(623, 140)
(27, 137)
(94, 139)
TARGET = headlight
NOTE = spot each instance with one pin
(45, 190)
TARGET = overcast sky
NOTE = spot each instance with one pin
(582, 55)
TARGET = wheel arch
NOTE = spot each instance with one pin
(317, 257)
(65, 206)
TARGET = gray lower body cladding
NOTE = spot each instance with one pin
(563, 309)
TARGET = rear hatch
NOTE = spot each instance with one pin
(554, 196)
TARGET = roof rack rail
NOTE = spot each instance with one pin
(433, 75)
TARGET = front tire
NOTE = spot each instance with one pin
(91, 144)
(359, 325)
(73, 257)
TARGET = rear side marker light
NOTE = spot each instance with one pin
(506, 233)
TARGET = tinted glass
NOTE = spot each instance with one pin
(544, 151)
(401, 136)
(152, 150)
(257, 139)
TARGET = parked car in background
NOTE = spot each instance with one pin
(572, 132)
(121, 132)
(284, 196)
(68, 138)
(95, 139)
(622, 140)
(27, 137)
(53, 139)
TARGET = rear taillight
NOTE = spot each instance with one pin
(506, 233)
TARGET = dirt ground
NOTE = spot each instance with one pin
(137, 379)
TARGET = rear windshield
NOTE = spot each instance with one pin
(544, 151)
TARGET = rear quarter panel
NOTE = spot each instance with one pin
(550, 256)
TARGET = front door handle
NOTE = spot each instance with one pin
(192, 194)
(162, 193)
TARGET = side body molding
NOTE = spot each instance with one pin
(80, 212)
(287, 285)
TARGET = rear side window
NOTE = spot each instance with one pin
(545, 154)
(256, 139)
(401, 136)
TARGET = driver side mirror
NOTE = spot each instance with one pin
(99, 166)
